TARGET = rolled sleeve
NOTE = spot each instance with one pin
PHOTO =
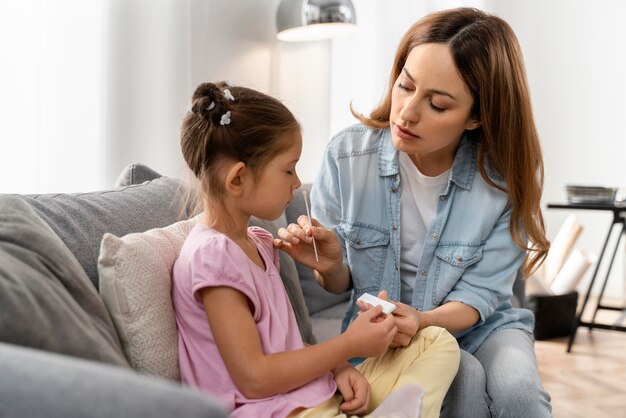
(488, 283)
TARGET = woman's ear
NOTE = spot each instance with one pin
(235, 178)
(472, 124)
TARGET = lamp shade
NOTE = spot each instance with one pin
(311, 20)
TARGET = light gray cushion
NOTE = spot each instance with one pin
(136, 285)
(81, 219)
(46, 300)
(36, 384)
(315, 297)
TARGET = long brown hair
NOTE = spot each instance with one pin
(488, 57)
(232, 122)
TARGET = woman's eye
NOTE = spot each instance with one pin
(436, 108)
(403, 87)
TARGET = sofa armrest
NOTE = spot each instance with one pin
(36, 383)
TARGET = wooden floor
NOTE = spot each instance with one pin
(590, 381)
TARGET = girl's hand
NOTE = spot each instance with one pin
(297, 241)
(369, 335)
(354, 388)
(407, 321)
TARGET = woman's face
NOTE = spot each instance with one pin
(430, 108)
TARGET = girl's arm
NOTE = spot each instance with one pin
(259, 375)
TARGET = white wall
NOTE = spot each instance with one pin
(576, 62)
(159, 51)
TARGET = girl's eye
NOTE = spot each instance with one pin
(436, 108)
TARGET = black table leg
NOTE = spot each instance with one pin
(588, 293)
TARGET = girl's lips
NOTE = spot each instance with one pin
(404, 134)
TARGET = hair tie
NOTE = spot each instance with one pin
(225, 119)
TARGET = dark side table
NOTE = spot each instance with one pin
(619, 218)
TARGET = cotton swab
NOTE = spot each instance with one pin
(308, 213)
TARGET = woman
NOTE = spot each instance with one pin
(434, 199)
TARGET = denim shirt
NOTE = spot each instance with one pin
(469, 255)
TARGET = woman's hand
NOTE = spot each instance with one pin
(407, 321)
(297, 241)
(354, 388)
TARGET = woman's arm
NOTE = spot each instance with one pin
(453, 316)
(260, 375)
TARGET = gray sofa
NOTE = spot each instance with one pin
(60, 352)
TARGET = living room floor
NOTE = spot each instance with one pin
(590, 381)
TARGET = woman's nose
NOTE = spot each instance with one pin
(410, 111)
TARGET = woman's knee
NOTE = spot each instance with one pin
(521, 396)
(468, 394)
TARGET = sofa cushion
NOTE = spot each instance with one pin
(46, 300)
(135, 284)
(36, 384)
(316, 298)
(81, 219)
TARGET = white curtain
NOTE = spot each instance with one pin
(88, 87)
(50, 95)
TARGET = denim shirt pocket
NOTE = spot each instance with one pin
(451, 262)
(366, 252)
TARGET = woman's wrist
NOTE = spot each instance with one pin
(335, 279)
(426, 319)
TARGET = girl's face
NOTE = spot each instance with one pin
(277, 181)
(430, 108)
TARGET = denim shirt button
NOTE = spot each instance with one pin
(357, 242)
(394, 189)
(423, 273)
(458, 258)
(434, 235)
(395, 227)
(442, 198)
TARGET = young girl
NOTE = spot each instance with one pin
(238, 336)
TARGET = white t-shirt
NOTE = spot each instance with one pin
(418, 207)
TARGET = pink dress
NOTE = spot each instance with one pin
(209, 258)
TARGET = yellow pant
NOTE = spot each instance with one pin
(430, 360)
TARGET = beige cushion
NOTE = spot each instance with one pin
(135, 284)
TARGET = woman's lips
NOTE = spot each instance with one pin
(404, 134)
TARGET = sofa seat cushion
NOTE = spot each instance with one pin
(46, 299)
